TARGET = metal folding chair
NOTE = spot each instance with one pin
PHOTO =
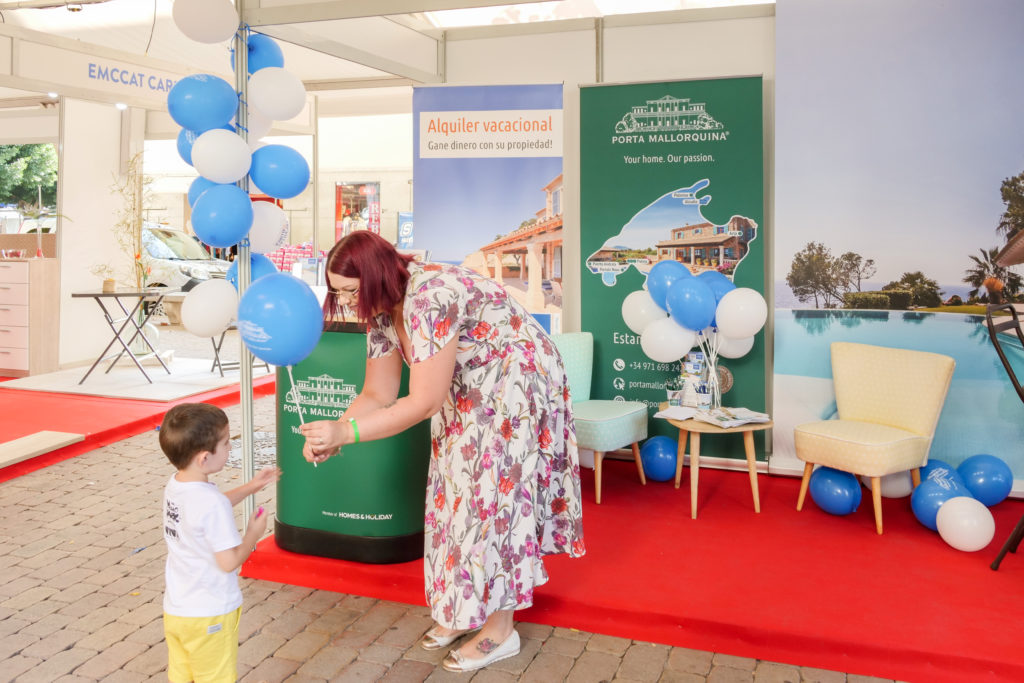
(220, 365)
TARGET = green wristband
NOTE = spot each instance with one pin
(355, 429)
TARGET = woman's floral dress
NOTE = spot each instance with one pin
(503, 486)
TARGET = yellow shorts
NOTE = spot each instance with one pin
(202, 649)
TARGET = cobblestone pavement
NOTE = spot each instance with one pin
(81, 581)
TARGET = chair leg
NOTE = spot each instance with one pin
(876, 499)
(1011, 543)
(915, 477)
(639, 465)
(598, 457)
(808, 468)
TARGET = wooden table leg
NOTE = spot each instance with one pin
(748, 446)
(694, 471)
(680, 454)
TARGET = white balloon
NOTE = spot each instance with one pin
(639, 310)
(741, 313)
(666, 341)
(734, 348)
(257, 125)
(269, 227)
(965, 523)
(895, 485)
(209, 308)
(221, 156)
(205, 21)
(276, 93)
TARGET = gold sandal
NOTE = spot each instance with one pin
(455, 661)
(433, 640)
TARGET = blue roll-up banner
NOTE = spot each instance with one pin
(487, 177)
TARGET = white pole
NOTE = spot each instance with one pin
(241, 45)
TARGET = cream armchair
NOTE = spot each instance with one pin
(601, 425)
(889, 402)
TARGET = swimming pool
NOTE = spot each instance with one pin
(982, 413)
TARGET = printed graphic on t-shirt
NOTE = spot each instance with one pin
(171, 519)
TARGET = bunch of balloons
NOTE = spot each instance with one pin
(279, 316)
(205, 106)
(678, 310)
(955, 501)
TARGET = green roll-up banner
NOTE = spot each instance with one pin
(366, 504)
(652, 157)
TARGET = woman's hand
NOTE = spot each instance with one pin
(324, 439)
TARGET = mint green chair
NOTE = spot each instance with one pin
(601, 425)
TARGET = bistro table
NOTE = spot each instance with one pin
(694, 428)
(132, 321)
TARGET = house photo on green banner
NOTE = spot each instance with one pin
(670, 171)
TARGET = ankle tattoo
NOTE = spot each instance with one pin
(486, 645)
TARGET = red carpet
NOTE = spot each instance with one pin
(102, 420)
(803, 588)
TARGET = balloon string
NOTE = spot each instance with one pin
(295, 397)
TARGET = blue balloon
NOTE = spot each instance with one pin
(988, 478)
(259, 265)
(719, 284)
(929, 496)
(836, 492)
(187, 138)
(691, 303)
(661, 277)
(198, 187)
(279, 171)
(943, 472)
(279, 319)
(222, 215)
(263, 52)
(202, 102)
(658, 457)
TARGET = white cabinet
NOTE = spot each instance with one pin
(29, 315)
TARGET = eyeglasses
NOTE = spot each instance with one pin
(350, 294)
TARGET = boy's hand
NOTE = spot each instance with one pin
(266, 476)
(257, 525)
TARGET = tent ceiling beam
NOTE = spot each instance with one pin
(46, 4)
(357, 83)
(326, 46)
(355, 9)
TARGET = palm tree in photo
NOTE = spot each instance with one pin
(995, 279)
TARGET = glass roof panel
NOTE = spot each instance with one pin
(568, 9)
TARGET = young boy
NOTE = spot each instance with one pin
(202, 602)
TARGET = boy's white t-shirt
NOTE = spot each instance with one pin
(198, 522)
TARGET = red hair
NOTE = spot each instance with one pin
(382, 273)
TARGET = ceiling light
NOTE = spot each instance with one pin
(52, 95)
(121, 105)
(73, 7)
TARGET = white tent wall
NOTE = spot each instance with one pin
(366, 148)
(20, 127)
(90, 163)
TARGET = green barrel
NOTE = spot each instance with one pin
(366, 504)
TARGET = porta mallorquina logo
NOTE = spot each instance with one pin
(669, 119)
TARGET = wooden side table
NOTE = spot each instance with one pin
(694, 428)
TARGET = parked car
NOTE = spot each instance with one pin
(178, 259)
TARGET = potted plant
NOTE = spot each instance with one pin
(106, 272)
